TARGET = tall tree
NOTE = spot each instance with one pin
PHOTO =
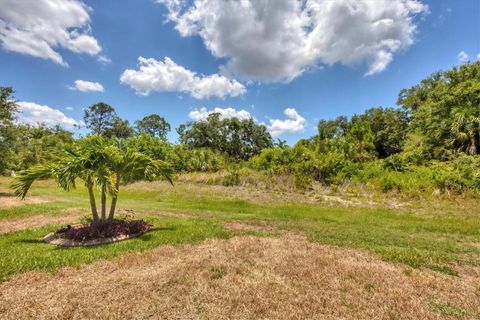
(99, 118)
(153, 125)
(389, 128)
(360, 141)
(240, 139)
(8, 109)
(120, 129)
(102, 119)
(445, 111)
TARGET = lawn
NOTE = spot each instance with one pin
(442, 241)
(435, 241)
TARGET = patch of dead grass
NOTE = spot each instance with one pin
(246, 226)
(70, 216)
(12, 201)
(241, 278)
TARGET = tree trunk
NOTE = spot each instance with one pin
(104, 204)
(93, 205)
(114, 198)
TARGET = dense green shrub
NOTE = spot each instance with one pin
(185, 159)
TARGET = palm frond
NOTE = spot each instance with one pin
(24, 180)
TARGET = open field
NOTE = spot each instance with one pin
(235, 252)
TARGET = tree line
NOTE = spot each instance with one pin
(435, 120)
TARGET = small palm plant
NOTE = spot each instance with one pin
(100, 163)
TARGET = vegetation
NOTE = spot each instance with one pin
(442, 238)
(153, 125)
(428, 144)
(421, 153)
(239, 139)
(97, 162)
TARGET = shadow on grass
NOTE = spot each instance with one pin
(144, 237)
(31, 241)
(156, 229)
(7, 194)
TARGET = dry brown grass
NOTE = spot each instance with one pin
(70, 216)
(246, 226)
(11, 201)
(240, 278)
(321, 195)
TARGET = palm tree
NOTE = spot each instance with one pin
(98, 163)
(465, 129)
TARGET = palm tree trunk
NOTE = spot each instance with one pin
(114, 198)
(104, 204)
(93, 205)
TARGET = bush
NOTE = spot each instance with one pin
(185, 159)
(231, 179)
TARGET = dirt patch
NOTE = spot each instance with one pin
(16, 224)
(12, 201)
(242, 278)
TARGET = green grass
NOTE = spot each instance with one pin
(50, 208)
(427, 240)
(447, 308)
(23, 251)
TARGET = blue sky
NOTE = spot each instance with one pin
(347, 56)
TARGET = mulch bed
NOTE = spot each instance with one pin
(89, 234)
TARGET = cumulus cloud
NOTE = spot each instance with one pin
(279, 40)
(293, 124)
(40, 27)
(35, 114)
(462, 57)
(167, 76)
(202, 113)
(86, 86)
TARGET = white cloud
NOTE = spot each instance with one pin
(104, 59)
(202, 113)
(69, 108)
(40, 27)
(167, 76)
(278, 40)
(86, 86)
(478, 56)
(35, 114)
(295, 123)
(462, 57)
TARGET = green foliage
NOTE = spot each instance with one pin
(232, 178)
(37, 145)
(185, 159)
(180, 157)
(8, 108)
(304, 163)
(445, 113)
(430, 144)
(153, 125)
(151, 146)
(102, 119)
(239, 139)
(97, 162)
(389, 128)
